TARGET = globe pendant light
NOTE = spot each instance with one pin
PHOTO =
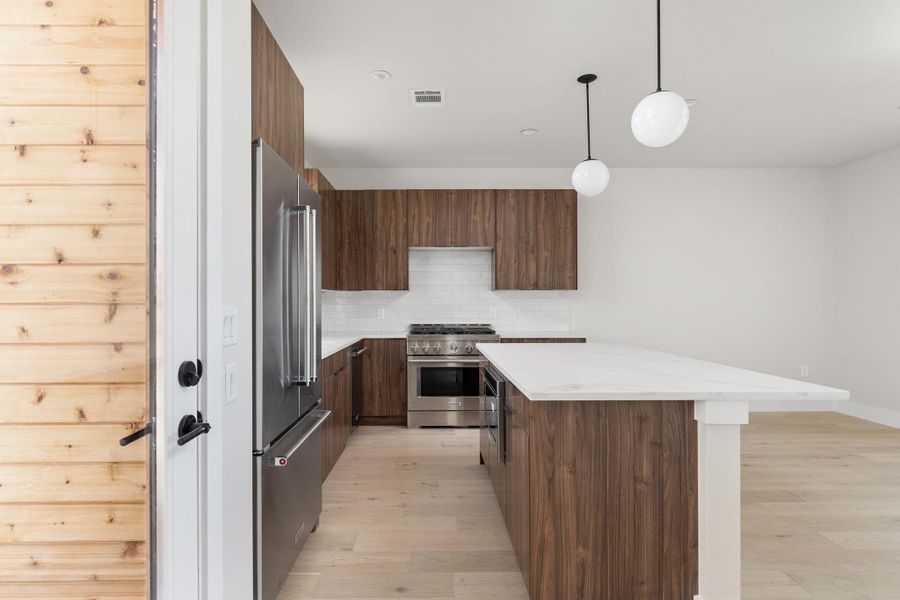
(660, 118)
(591, 176)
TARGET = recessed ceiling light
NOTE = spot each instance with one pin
(529, 131)
(380, 74)
(691, 102)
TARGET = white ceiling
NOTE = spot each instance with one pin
(780, 82)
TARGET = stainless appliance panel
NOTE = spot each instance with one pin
(494, 418)
(450, 403)
(289, 500)
(443, 418)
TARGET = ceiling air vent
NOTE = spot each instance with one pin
(427, 98)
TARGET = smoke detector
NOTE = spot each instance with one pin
(430, 98)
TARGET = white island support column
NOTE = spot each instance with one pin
(719, 472)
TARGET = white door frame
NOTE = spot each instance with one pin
(178, 171)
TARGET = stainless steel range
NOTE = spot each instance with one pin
(444, 386)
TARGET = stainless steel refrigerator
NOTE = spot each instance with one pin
(287, 415)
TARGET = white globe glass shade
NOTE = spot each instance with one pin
(660, 119)
(590, 177)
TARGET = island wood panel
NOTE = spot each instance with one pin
(73, 363)
(23, 164)
(79, 45)
(91, 562)
(72, 12)
(73, 403)
(518, 491)
(599, 503)
(77, 125)
(452, 218)
(536, 240)
(72, 324)
(78, 284)
(336, 398)
(73, 85)
(384, 381)
(386, 241)
(73, 244)
(330, 226)
(277, 96)
(73, 215)
(120, 483)
(73, 205)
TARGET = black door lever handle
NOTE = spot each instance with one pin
(133, 437)
(191, 427)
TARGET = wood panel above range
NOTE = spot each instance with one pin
(367, 234)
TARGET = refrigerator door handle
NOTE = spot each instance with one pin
(301, 363)
(312, 297)
(282, 460)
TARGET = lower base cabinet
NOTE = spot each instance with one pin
(384, 382)
(336, 397)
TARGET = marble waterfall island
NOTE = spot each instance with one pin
(620, 469)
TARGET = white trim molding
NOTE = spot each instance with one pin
(882, 416)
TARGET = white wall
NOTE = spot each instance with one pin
(447, 286)
(867, 349)
(729, 265)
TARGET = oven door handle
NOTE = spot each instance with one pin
(466, 361)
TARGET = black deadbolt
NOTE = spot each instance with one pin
(189, 374)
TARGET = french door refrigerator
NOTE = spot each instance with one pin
(287, 415)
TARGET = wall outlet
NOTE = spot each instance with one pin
(229, 325)
(804, 371)
(380, 313)
(492, 314)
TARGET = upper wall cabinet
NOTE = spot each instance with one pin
(364, 238)
(451, 218)
(537, 240)
(277, 96)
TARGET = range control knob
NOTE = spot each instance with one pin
(470, 348)
(453, 348)
(415, 348)
(437, 348)
(426, 348)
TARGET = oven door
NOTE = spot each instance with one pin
(444, 384)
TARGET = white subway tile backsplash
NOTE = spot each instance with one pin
(447, 286)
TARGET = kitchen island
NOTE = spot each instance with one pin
(618, 468)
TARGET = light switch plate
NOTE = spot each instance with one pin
(230, 382)
(229, 325)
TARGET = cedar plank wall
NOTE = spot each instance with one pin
(73, 285)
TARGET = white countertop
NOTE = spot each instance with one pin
(610, 371)
(338, 340)
(540, 334)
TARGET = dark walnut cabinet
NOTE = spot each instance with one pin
(600, 498)
(451, 218)
(536, 240)
(384, 382)
(336, 397)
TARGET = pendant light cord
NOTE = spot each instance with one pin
(587, 99)
(658, 49)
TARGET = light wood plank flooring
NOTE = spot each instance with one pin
(411, 514)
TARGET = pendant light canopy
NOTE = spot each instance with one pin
(660, 118)
(591, 176)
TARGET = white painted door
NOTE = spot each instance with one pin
(179, 176)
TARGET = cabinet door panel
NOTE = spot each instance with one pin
(384, 378)
(536, 245)
(451, 218)
(517, 490)
(386, 241)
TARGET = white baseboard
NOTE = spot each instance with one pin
(792, 405)
(882, 416)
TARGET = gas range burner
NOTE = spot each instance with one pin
(451, 329)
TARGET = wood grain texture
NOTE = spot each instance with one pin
(73, 125)
(277, 96)
(536, 240)
(73, 324)
(82, 165)
(560, 340)
(345, 227)
(73, 363)
(336, 398)
(73, 85)
(74, 443)
(124, 483)
(76, 45)
(94, 562)
(45, 284)
(331, 227)
(386, 241)
(73, 244)
(518, 490)
(72, 12)
(73, 523)
(75, 590)
(384, 378)
(451, 218)
(73, 403)
(73, 205)
(599, 493)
